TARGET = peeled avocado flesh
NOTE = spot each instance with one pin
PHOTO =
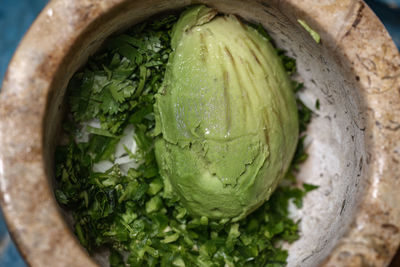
(226, 116)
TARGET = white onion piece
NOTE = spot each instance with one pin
(124, 160)
(124, 168)
(83, 135)
(102, 166)
(128, 141)
(121, 157)
(95, 123)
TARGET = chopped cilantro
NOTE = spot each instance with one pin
(314, 34)
(132, 213)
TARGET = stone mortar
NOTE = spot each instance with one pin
(352, 219)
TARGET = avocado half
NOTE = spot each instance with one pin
(226, 116)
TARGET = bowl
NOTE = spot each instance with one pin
(352, 219)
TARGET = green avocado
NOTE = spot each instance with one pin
(226, 116)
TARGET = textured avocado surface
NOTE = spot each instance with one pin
(226, 116)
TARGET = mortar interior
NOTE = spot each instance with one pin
(338, 155)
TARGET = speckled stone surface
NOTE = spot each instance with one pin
(15, 19)
(353, 219)
(373, 236)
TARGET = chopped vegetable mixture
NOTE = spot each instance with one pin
(125, 208)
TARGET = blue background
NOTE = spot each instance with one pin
(17, 15)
